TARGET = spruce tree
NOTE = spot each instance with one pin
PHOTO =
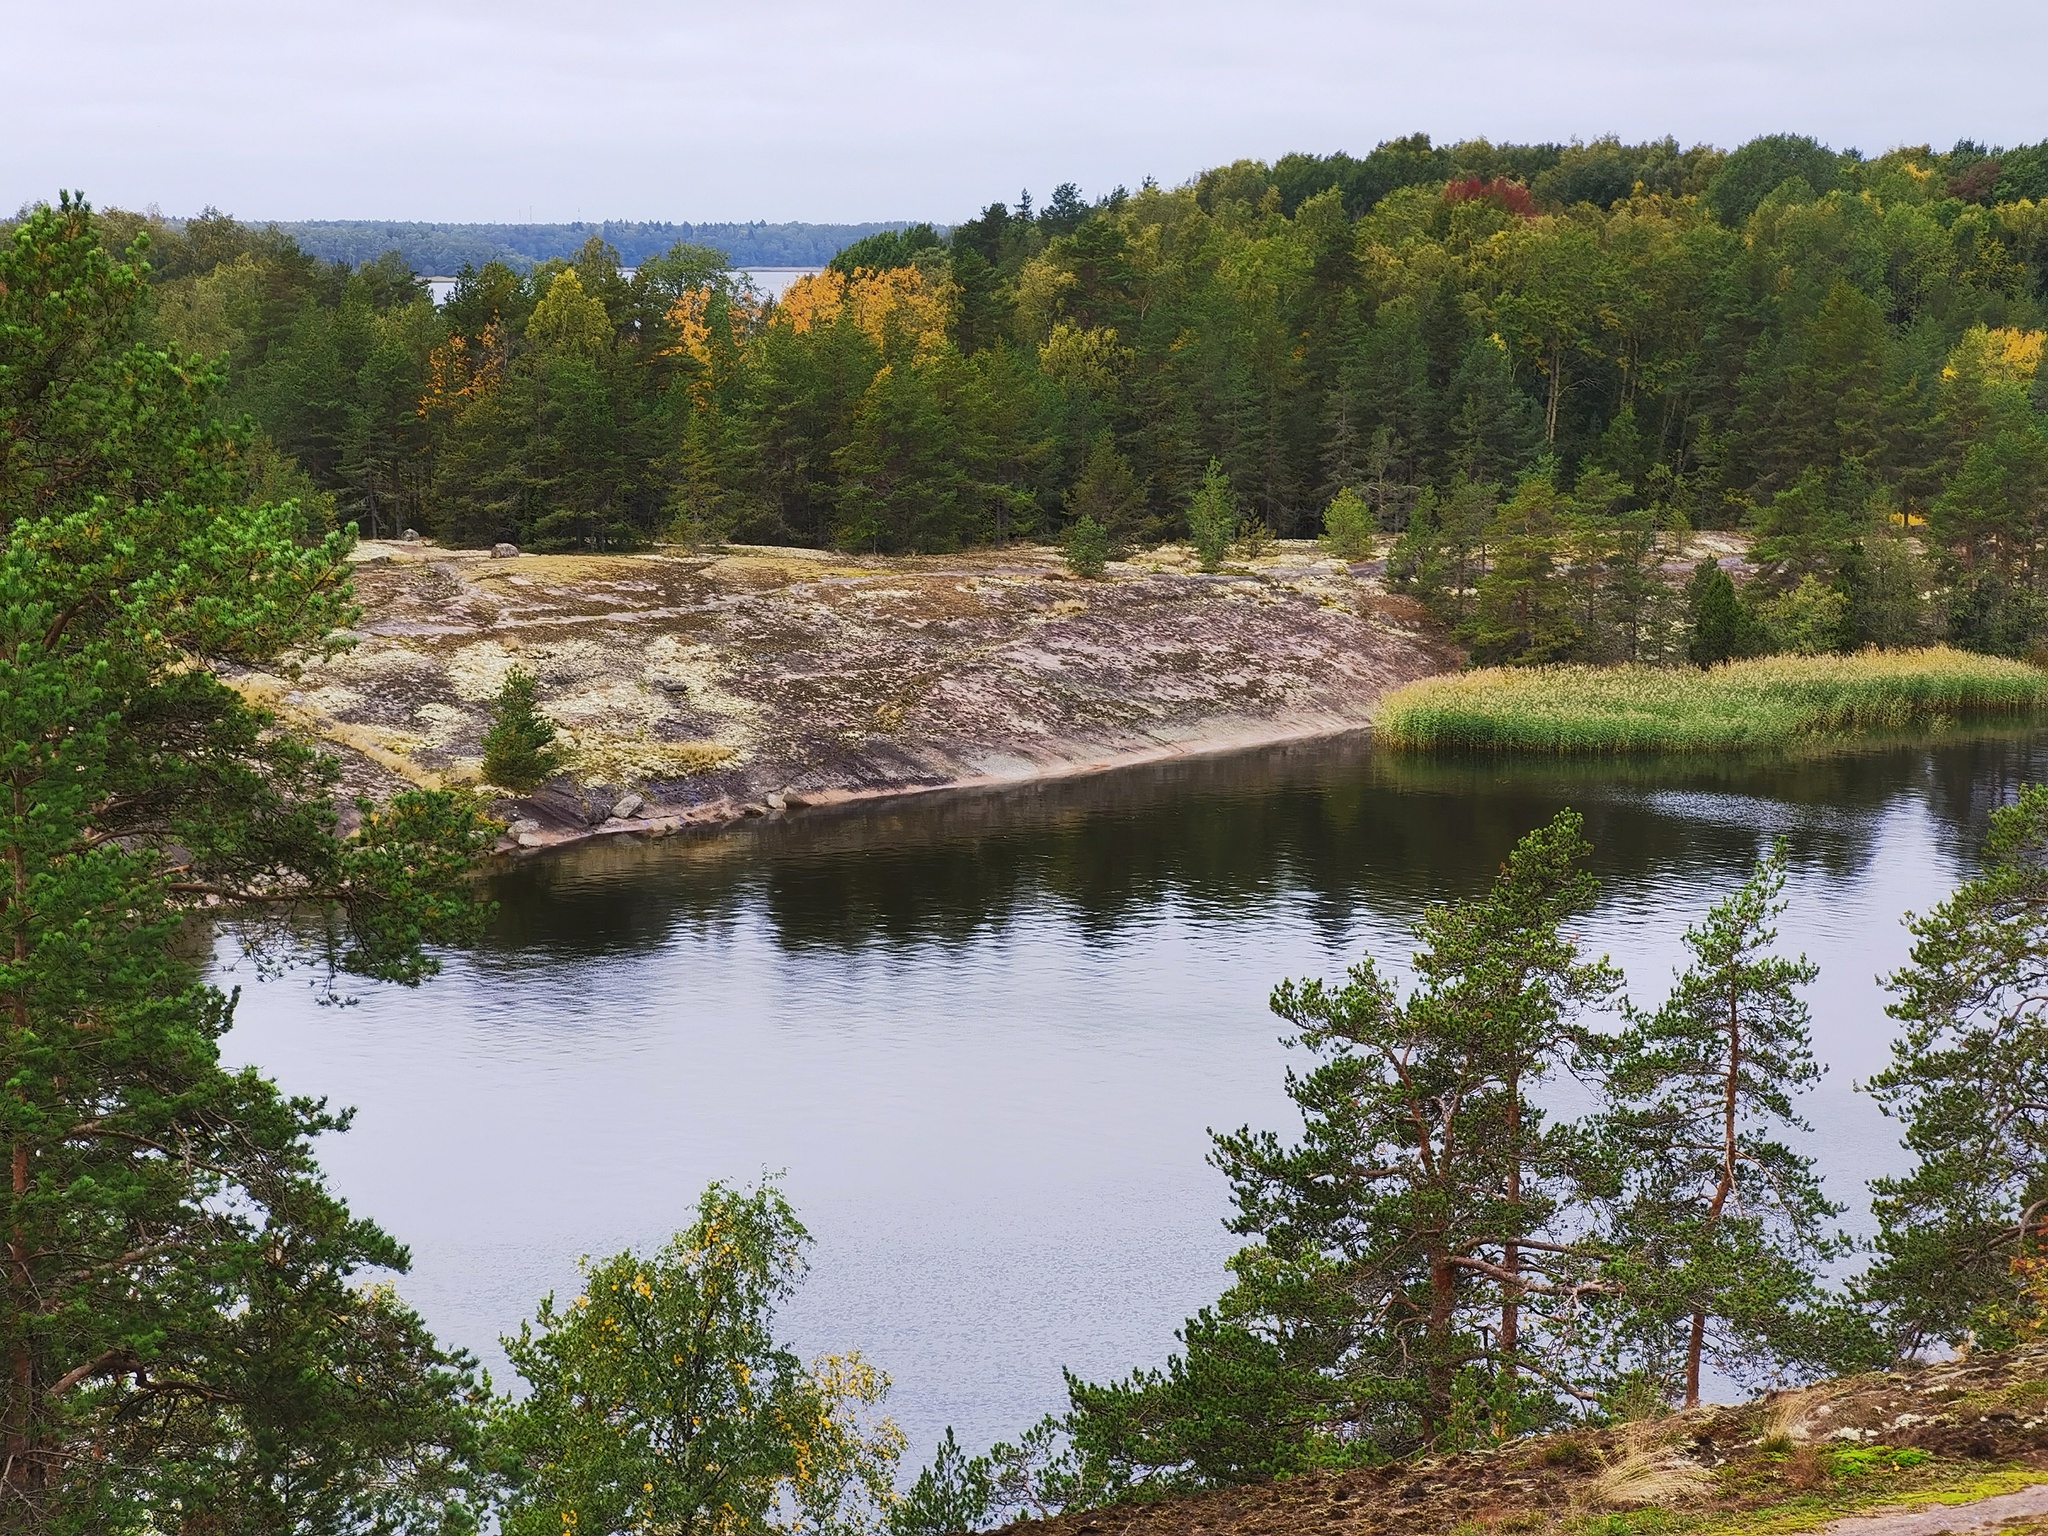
(1721, 628)
(1721, 1224)
(519, 747)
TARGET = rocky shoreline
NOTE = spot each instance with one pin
(697, 689)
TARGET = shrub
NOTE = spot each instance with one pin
(1254, 538)
(1087, 548)
(1807, 620)
(519, 747)
(1348, 526)
(1212, 517)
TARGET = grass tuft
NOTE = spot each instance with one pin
(1773, 702)
(1660, 1476)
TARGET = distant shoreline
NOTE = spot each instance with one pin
(442, 249)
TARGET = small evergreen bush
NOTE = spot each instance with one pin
(1087, 548)
(519, 748)
(1212, 517)
(1721, 628)
(1348, 526)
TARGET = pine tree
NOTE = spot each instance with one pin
(1969, 1081)
(1418, 1257)
(1212, 517)
(1348, 526)
(1087, 548)
(183, 1320)
(1721, 1225)
(1522, 609)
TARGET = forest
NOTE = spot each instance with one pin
(200, 1335)
(1540, 357)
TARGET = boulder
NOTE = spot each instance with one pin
(504, 551)
(410, 536)
(529, 839)
(629, 805)
(522, 827)
(776, 800)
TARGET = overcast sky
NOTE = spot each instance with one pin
(881, 109)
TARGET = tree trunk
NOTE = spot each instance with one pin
(1556, 389)
(1723, 1187)
(1694, 1348)
(21, 1467)
(1436, 1411)
(1511, 1251)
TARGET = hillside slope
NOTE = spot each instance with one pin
(1965, 1443)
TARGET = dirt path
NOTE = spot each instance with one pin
(1993, 1514)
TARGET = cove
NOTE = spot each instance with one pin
(983, 1034)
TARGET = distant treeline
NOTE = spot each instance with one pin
(1531, 362)
(442, 250)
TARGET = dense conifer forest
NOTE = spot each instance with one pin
(1539, 354)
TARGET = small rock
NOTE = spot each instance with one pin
(410, 536)
(529, 839)
(525, 825)
(629, 805)
(776, 800)
(752, 809)
(504, 551)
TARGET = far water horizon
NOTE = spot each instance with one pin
(773, 282)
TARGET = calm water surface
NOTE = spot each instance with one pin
(983, 1035)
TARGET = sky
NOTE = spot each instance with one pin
(545, 110)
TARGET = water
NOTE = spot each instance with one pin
(773, 282)
(983, 1035)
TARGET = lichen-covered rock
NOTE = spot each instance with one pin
(717, 681)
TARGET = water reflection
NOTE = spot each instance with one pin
(1325, 823)
(985, 1033)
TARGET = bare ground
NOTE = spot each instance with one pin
(1960, 1446)
(747, 680)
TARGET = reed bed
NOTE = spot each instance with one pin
(1770, 703)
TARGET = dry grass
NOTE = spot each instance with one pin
(1773, 702)
(1660, 1475)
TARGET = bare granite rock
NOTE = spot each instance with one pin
(709, 683)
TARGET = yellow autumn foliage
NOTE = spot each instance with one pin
(2005, 354)
(899, 301)
(1088, 358)
(568, 320)
(459, 373)
(693, 315)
